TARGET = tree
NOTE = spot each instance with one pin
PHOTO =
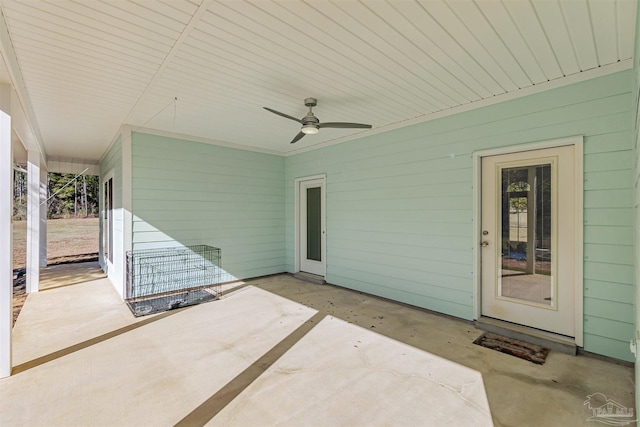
(78, 198)
(74, 196)
(19, 195)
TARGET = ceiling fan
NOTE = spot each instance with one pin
(311, 124)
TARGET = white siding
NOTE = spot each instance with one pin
(111, 162)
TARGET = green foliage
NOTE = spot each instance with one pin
(71, 197)
(19, 195)
(518, 204)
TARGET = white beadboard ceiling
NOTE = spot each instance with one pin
(91, 66)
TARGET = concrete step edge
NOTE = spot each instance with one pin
(308, 277)
(549, 340)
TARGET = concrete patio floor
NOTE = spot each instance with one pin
(278, 351)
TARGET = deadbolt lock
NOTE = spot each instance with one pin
(485, 232)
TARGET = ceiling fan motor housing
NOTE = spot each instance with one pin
(310, 119)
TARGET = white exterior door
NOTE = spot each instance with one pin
(528, 239)
(107, 222)
(312, 226)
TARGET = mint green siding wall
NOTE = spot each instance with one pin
(608, 243)
(637, 251)
(187, 193)
(400, 203)
(637, 239)
(636, 186)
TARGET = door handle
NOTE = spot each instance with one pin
(484, 244)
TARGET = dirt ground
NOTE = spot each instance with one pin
(68, 240)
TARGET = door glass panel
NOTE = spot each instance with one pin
(525, 262)
(314, 226)
(109, 218)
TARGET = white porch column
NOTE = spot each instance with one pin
(43, 217)
(33, 221)
(6, 230)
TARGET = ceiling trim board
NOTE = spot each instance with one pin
(202, 140)
(531, 90)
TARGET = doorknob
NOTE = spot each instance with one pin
(484, 244)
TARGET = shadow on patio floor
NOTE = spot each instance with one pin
(279, 350)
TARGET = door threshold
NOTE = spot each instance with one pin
(308, 277)
(560, 343)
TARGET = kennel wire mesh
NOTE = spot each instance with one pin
(168, 278)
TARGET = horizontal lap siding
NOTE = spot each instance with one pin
(636, 205)
(608, 244)
(188, 193)
(400, 203)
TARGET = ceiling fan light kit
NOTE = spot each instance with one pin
(310, 123)
(310, 129)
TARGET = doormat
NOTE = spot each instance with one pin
(169, 302)
(524, 350)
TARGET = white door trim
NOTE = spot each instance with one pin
(577, 142)
(297, 186)
(105, 226)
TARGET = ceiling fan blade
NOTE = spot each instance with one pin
(341, 125)
(286, 116)
(298, 137)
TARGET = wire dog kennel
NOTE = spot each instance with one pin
(169, 278)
